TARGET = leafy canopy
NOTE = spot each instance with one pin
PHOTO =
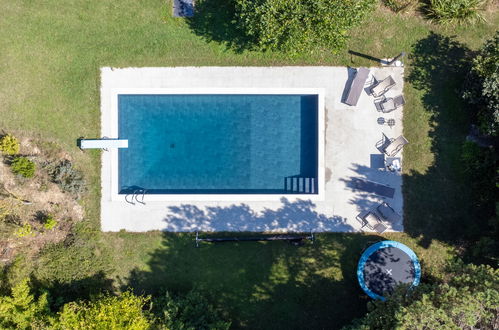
(296, 26)
(482, 90)
(468, 298)
(23, 310)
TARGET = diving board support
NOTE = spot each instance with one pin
(295, 238)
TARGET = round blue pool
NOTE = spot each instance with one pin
(385, 265)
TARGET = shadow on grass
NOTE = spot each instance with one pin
(63, 292)
(438, 204)
(264, 284)
(215, 21)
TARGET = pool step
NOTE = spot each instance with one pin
(300, 185)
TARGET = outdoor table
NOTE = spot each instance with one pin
(393, 164)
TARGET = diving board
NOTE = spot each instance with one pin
(103, 143)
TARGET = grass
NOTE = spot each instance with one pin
(313, 286)
(50, 60)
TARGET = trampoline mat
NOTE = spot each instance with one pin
(387, 268)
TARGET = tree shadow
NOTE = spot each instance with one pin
(297, 216)
(437, 203)
(264, 284)
(216, 21)
(62, 292)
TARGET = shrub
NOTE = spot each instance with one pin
(23, 167)
(192, 311)
(106, 312)
(295, 26)
(455, 11)
(25, 231)
(49, 222)
(22, 310)
(9, 145)
(400, 5)
(68, 178)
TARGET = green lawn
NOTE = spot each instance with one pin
(50, 56)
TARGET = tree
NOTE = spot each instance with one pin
(467, 298)
(22, 310)
(482, 85)
(295, 26)
(191, 311)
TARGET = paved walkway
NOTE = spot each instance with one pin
(350, 153)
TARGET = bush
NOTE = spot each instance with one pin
(68, 178)
(295, 26)
(22, 310)
(49, 222)
(9, 145)
(455, 11)
(400, 5)
(482, 85)
(106, 312)
(23, 167)
(191, 311)
(25, 231)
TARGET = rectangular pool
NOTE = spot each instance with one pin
(218, 144)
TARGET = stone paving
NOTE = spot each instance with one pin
(351, 135)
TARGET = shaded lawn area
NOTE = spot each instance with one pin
(255, 284)
(438, 199)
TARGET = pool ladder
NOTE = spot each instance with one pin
(129, 198)
(300, 185)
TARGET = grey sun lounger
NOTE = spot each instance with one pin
(387, 212)
(395, 146)
(357, 86)
(380, 87)
(390, 104)
(372, 187)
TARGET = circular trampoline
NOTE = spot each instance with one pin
(385, 265)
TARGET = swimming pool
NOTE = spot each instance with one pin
(219, 142)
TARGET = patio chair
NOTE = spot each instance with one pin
(389, 104)
(387, 212)
(372, 221)
(395, 145)
(380, 87)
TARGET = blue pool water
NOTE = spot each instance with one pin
(245, 144)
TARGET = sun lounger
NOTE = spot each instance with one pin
(357, 86)
(390, 104)
(103, 143)
(372, 187)
(387, 212)
(372, 221)
(395, 146)
(380, 87)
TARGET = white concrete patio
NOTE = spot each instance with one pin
(350, 152)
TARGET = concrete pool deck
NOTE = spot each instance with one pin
(351, 134)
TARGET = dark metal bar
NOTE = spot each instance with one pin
(254, 238)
